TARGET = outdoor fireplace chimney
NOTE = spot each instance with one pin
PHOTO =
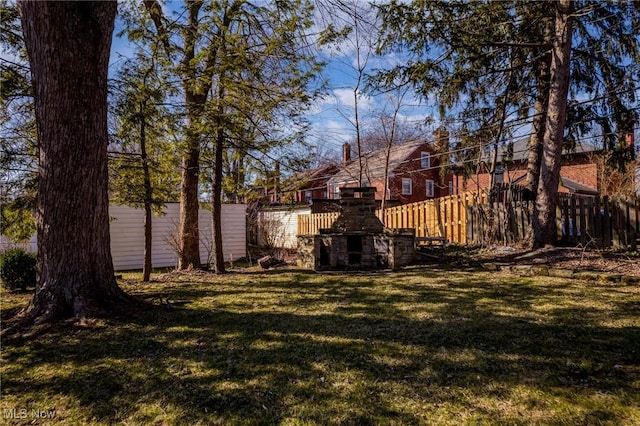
(629, 140)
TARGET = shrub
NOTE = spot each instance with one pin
(17, 269)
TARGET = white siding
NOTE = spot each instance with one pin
(30, 246)
(279, 227)
(127, 235)
(234, 232)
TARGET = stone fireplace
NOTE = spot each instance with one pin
(357, 239)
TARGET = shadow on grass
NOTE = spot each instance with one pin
(403, 348)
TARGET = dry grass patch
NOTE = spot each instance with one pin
(418, 346)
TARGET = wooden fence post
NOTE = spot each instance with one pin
(607, 222)
(634, 222)
(582, 217)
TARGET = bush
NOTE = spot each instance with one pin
(17, 269)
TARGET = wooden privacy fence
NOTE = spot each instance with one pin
(580, 220)
(471, 218)
(441, 217)
(503, 217)
(605, 221)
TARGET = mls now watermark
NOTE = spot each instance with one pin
(23, 413)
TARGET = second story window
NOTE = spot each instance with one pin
(406, 187)
(425, 160)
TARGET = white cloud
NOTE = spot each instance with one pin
(345, 100)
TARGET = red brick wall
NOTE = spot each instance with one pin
(579, 169)
(584, 173)
(411, 169)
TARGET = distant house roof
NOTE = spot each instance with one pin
(373, 163)
(519, 151)
(309, 179)
(577, 187)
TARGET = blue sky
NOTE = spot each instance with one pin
(332, 116)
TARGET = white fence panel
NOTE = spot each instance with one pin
(234, 232)
(30, 246)
(127, 236)
(278, 228)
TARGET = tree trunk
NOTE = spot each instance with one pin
(189, 238)
(216, 206)
(68, 45)
(539, 117)
(148, 218)
(216, 185)
(544, 217)
(148, 197)
(188, 234)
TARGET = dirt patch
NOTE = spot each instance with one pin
(576, 259)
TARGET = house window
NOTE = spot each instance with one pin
(308, 196)
(430, 188)
(406, 187)
(425, 160)
(450, 188)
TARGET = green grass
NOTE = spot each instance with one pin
(418, 346)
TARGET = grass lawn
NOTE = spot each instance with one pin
(418, 346)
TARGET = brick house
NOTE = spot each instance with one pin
(579, 171)
(413, 173)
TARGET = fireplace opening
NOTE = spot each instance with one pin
(325, 259)
(354, 243)
(355, 259)
(354, 250)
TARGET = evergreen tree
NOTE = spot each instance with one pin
(144, 170)
(236, 59)
(18, 142)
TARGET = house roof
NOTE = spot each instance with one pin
(373, 163)
(519, 151)
(302, 180)
(577, 187)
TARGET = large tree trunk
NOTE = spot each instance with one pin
(544, 218)
(68, 45)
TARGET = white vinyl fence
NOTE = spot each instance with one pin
(127, 236)
(278, 227)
